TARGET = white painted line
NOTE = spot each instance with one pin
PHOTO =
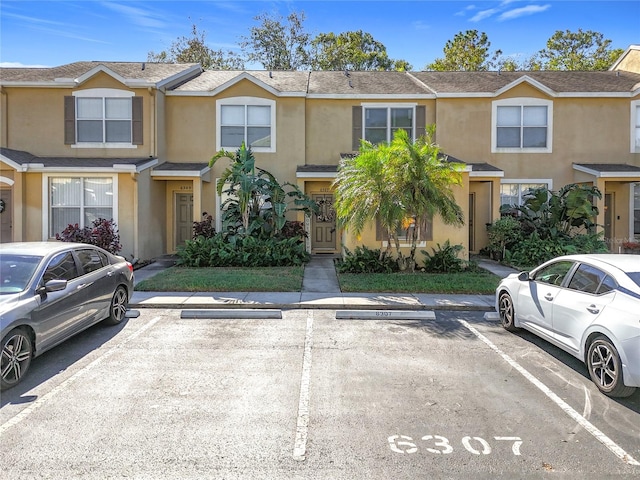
(64, 385)
(583, 422)
(385, 315)
(302, 428)
(235, 313)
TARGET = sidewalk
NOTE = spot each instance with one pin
(320, 290)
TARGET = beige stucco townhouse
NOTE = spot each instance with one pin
(132, 142)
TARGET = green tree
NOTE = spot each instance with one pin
(278, 43)
(466, 52)
(399, 184)
(581, 50)
(353, 50)
(194, 49)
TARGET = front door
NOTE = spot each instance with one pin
(5, 216)
(184, 218)
(323, 224)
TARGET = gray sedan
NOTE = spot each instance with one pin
(50, 291)
(589, 306)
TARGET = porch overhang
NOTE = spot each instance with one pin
(26, 162)
(177, 171)
(316, 171)
(611, 171)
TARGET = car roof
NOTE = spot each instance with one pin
(624, 262)
(38, 248)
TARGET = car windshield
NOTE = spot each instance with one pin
(16, 271)
(635, 276)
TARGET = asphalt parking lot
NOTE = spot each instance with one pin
(310, 396)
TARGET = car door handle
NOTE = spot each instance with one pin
(548, 296)
(593, 309)
(110, 273)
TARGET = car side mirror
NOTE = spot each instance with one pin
(524, 277)
(52, 286)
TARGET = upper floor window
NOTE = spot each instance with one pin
(522, 125)
(380, 123)
(103, 117)
(635, 126)
(246, 119)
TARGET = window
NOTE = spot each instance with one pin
(380, 123)
(513, 193)
(61, 267)
(78, 200)
(91, 260)
(635, 126)
(246, 119)
(553, 274)
(521, 125)
(405, 231)
(587, 279)
(103, 120)
(103, 117)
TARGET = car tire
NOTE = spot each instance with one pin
(507, 312)
(17, 352)
(605, 368)
(118, 307)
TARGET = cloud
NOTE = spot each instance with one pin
(523, 11)
(481, 15)
(137, 16)
(420, 25)
(20, 65)
(32, 20)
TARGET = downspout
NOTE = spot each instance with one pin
(136, 227)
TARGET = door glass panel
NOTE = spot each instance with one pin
(61, 267)
(586, 279)
(90, 260)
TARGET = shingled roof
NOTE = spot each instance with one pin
(149, 72)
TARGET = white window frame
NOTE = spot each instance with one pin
(632, 235)
(548, 182)
(389, 106)
(46, 196)
(521, 102)
(635, 126)
(101, 93)
(246, 101)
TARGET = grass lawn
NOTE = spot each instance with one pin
(289, 279)
(225, 279)
(420, 282)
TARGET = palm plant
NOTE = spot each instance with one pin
(399, 184)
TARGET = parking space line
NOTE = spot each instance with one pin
(588, 426)
(302, 427)
(65, 384)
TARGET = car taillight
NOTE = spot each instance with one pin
(130, 267)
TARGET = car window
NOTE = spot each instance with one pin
(587, 279)
(90, 260)
(635, 276)
(61, 267)
(607, 285)
(16, 271)
(554, 273)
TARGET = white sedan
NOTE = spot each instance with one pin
(589, 306)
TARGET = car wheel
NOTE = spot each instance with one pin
(605, 368)
(118, 308)
(507, 312)
(17, 351)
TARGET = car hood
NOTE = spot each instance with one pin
(10, 302)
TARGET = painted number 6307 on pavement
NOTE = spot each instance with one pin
(440, 445)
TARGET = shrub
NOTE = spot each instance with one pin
(444, 259)
(293, 229)
(533, 250)
(244, 251)
(366, 260)
(205, 228)
(102, 233)
(503, 234)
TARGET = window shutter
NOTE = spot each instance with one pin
(136, 120)
(356, 120)
(69, 120)
(421, 121)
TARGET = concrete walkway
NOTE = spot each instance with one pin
(320, 290)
